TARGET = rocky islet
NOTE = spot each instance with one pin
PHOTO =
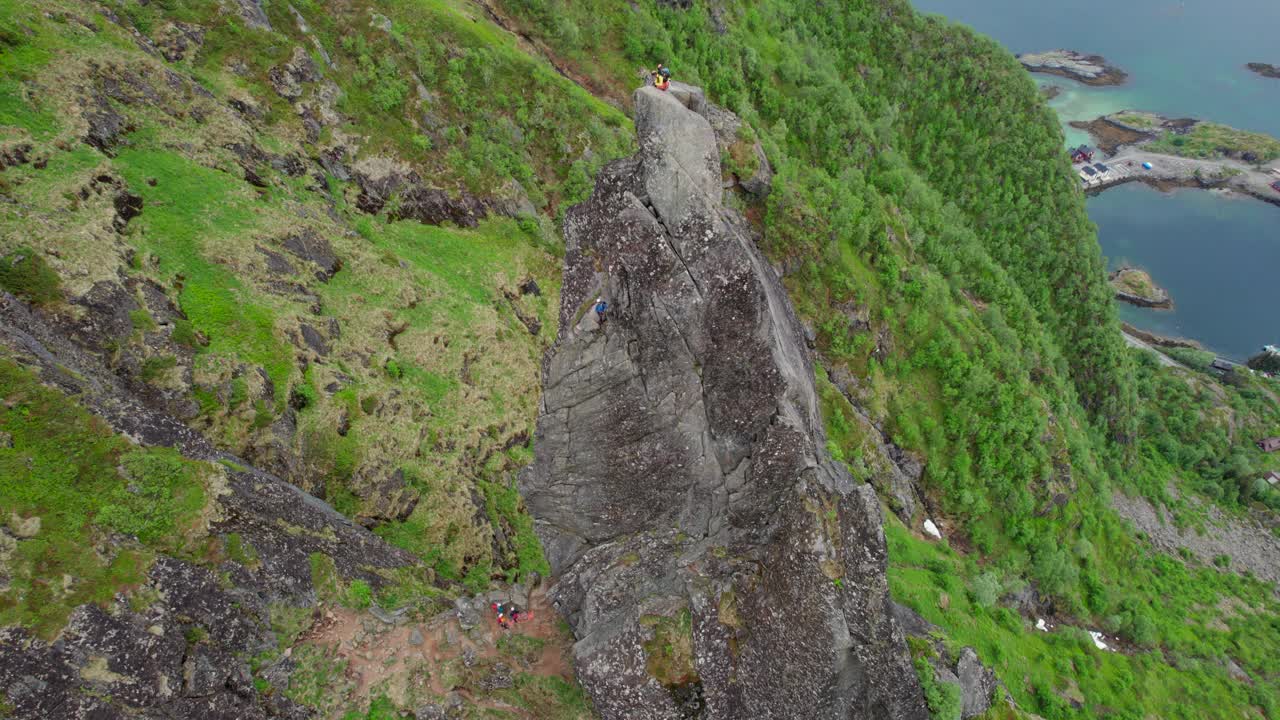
(1135, 286)
(1088, 69)
(1266, 70)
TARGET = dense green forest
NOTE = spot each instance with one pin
(926, 220)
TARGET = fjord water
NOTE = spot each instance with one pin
(1219, 257)
(1229, 301)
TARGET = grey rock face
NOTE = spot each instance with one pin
(714, 562)
(310, 246)
(416, 201)
(252, 13)
(1248, 541)
(287, 79)
(977, 682)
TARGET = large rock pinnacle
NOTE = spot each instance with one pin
(713, 561)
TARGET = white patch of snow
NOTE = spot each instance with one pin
(932, 529)
(1041, 626)
(1097, 640)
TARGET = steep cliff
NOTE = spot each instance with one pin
(714, 561)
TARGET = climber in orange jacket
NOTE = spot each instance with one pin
(662, 77)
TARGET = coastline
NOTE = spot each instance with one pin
(1128, 147)
(1151, 338)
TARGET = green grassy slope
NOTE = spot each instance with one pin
(438, 372)
(67, 484)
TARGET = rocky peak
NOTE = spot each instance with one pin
(714, 562)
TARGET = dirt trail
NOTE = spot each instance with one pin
(436, 657)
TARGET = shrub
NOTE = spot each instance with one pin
(155, 366)
(945, 700)
(1054, 570)
(141, 320)
(25, 274)
(184, 333)
(986, 589)
(359, 594)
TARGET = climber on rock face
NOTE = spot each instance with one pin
(662, 77)
(600, 308)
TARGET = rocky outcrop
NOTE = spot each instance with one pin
(382, 180)
(714, 562)
(977, 682)
(1265, 70)
(1130, 127)
(253, 15)
(288, 78)
(310, 247)
(1111, 136)
(894, 472)
(752, 170)
(1087, 69)
(178, 40)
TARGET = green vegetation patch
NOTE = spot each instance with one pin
(506, 511)
(67, 484)
(319, 679)
(25, 274)
(1174, 646)
(945, 699)
(669, 652)
(187, 204)
(549, 696)
(1212, 140)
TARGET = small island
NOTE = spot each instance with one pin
(1265, 70)
(1087, 69)
(1136, 287)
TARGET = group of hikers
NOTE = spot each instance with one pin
(661, 80)
(508, 614)
(662, 77)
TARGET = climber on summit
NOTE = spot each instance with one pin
(662, 77)
(600, 308)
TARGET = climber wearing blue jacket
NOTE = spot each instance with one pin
(601, 306)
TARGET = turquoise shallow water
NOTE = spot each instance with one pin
(1218, 257)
